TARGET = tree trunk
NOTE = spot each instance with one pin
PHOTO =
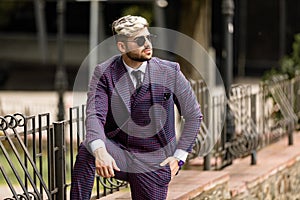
(195, 21)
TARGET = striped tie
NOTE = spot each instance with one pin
(138, 76)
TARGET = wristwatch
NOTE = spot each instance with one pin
(180, 164)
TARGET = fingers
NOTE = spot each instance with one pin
(174, 167)
(106, 171)
(166, 161)
(173, 163)
(105, 164)
(115, 166)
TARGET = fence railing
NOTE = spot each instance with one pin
(262, 115)
(37, 155)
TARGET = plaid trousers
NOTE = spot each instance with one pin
(143, 186)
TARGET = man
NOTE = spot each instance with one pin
(130, 118)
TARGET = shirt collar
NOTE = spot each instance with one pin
(141, 68)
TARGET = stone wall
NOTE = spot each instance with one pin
(219, 192)
(281, 184)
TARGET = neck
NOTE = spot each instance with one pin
(132, 63)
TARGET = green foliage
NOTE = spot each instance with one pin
(290, 64)
(269, 74)
(296, 49)
(287, 66)
(7, 11)
(139, 10)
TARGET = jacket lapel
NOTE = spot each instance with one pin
(155, 81)
(158, 78)
(122, 82)
(158, 81)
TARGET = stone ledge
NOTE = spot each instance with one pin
(188, 184)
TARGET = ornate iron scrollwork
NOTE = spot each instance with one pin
(112, 183)
(3, 124)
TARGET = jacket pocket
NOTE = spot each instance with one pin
(113, 133)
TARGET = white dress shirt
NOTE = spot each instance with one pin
(142, 68)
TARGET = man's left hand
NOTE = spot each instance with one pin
(173, 163)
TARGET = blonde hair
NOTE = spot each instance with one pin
(129, 25)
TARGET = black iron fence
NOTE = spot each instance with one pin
(262, 115)
(37, 155)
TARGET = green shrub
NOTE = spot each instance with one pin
(290, 64)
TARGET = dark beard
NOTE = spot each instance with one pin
(136, 58)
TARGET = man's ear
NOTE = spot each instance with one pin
(121, 47)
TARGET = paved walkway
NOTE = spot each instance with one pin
(269, 160)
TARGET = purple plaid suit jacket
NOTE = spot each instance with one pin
(143, 121)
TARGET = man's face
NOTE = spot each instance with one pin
(139, 47)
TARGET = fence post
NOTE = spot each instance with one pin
(207, 162)
(59, 159)
(290, 133)
(291, 126)
(253, 117)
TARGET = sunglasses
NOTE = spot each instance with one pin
(140, 41)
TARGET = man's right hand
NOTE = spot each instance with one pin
(105, 164)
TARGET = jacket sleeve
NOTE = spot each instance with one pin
(189, 110)
(97, 106)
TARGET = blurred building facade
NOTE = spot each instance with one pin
(263, 34)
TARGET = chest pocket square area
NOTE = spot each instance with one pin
(167, 96)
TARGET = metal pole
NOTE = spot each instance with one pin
(39, 6)
(61, 76)
(94, 35)
(282, 28)
(227, 64)
(227, 52)
(243, 36)
(59, 159)
(160, 21)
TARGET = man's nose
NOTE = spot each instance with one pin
(147, 42)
